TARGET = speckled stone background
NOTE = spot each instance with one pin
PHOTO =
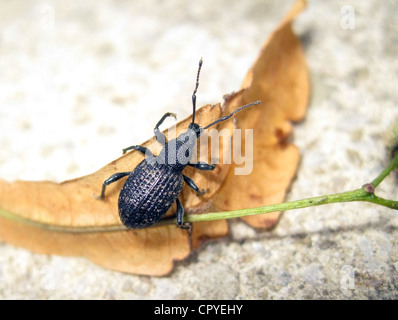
(81, 80)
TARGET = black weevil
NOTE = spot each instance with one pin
(155, 184)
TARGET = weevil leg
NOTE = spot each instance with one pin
(160, 137)
(202, 166)
(180, 217)
(141, 149)
(111, 179)
(193, 185)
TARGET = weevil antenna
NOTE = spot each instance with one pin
(196, 89)
(232, 114)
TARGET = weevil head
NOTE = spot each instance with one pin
(196, 129)
(187, 139)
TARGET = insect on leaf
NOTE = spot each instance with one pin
(65, 219)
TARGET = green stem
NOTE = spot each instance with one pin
(366, 193)
(349, 196)
(391, 166)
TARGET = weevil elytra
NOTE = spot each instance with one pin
(155, 184)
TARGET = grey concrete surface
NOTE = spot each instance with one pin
(81, 80)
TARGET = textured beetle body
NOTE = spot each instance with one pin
(154, 185)
(148, 193)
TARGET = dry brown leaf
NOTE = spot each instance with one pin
(279, 78)
(65, 218)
